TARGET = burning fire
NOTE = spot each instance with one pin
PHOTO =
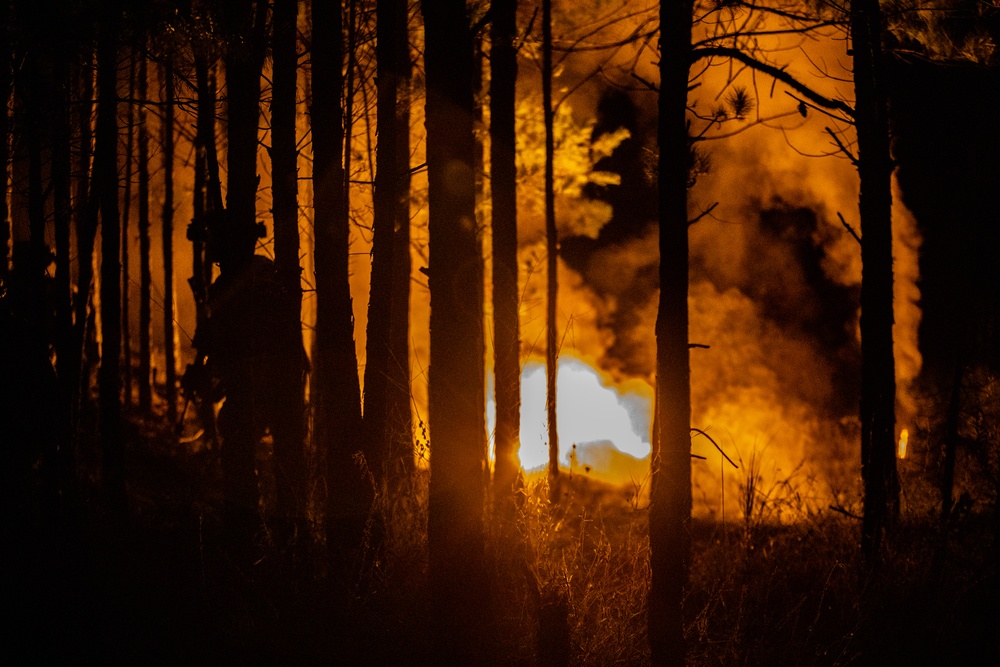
(904, 436)
(594, 415)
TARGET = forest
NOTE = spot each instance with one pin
(500, 332)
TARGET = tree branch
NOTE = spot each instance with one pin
(776, 73)
(848, 227)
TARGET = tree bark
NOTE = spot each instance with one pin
(398, 409)
(380, 302)
(6, 76)
(106, 181)
(127, 374)
(878, 376)
(459, 593)
(670, 502)
(337, 391)
(552, 255)
(144, 377)
(169, 341)
(289, 420)
(506, 297)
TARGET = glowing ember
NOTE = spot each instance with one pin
(590, 411)
(903, 437)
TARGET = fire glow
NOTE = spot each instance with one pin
(904, 437)
(590, 412)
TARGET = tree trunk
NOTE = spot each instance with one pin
(878, 378)
(127, 374)
(670, 502)
(380, 297)
(241, 417)
(169, 340)
(85, 210)
(506, 298)
(552, 255)
(207, 203)
(289, 420)
(398, 410)
(6, 75)
(106, 182)
(459, 592)
(144, 377)
(337, 391)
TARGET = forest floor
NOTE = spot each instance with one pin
(161, 590)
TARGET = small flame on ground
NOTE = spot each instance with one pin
(904, 436)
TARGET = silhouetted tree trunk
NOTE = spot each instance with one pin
(506, 298)
(459, 592)
(169, 342)
(552, 254)
(380, 303)
(144, 377)
(878, 375)
(670, 501)
(398, 409)
(244, 25)
(127, 374)
(289, 426)
(207, 203)
(106, 183)
(6, 74)
(62, 168)
(337, 397)
(36, 81)
(85, 210)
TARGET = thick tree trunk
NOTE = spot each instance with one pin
(169, 340)
(144, 374)
(878, 376)
(106, 182)
(506, 298)
(289, 420)
(552, 255)
(380, 303)
(241, 418)
(459, 592)
(670, 502)
(336, 386)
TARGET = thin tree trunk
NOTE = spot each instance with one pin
(6, 75)
(337, 391)
(552, 253)
(85, 210)
(878, 376)
(144, 377)
(207, 203)
(106, 181)
(459, 593)
(399, 411)
(62, 168)
(169, 336)
(289, 420)
(670, 502)
(127, 375)
(36, 107)
(506, 327)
